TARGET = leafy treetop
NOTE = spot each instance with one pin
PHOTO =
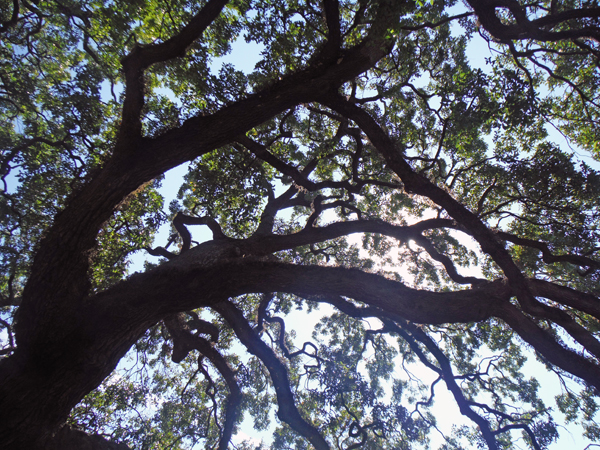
(365, 166)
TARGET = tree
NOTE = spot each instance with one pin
(362, 118)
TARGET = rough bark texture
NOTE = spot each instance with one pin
(69, 341)
(66, 345)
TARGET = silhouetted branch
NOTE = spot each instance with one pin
(446, 262)
(181, 220)
(418, 184)
(14, 18)
(277, 370)
(142, 57)
(540, 28)
(300, 179)
(183, 342)
(547, 256)
(438, 23)
(547, 346)
(161, 251)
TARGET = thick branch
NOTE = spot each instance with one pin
(545, 344)
(285, 399)
(183, 342)
(563, 295)
(420, 185)
(181, 220)
(547, 256)
(273, 206)
(334, 37)
(538, 29)
(142, 57)
(180, 280)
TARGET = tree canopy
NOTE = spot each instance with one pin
(441, 212)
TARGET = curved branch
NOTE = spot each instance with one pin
(537, 29)
(446, 262)
(448, 376)
(184, 341)
(273, 206)
(420, 185)
(281, 340)
(285, 399)
(160, 251)
(545, 344)
(547, 256)
(142, 57)
(181, 220)
(281, 337)
(411, 336)
(14, 18)
(300, 178)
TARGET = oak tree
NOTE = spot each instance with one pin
(442, 211)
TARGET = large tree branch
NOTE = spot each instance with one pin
(59, 273)
(538, 29)
(547, 256)
(183, 342)
(265, 243)
(110, 322)
(547, 346)
(334, 37)
(418, 184)
(277, 370)
(142, 57)
(563, 295)
(179, 280)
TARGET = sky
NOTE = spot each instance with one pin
(244, 56)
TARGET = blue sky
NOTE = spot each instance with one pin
(244, 56)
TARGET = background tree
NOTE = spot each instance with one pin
(362, 118)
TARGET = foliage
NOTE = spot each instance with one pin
(436, 212)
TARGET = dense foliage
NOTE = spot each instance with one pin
(416, 179)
